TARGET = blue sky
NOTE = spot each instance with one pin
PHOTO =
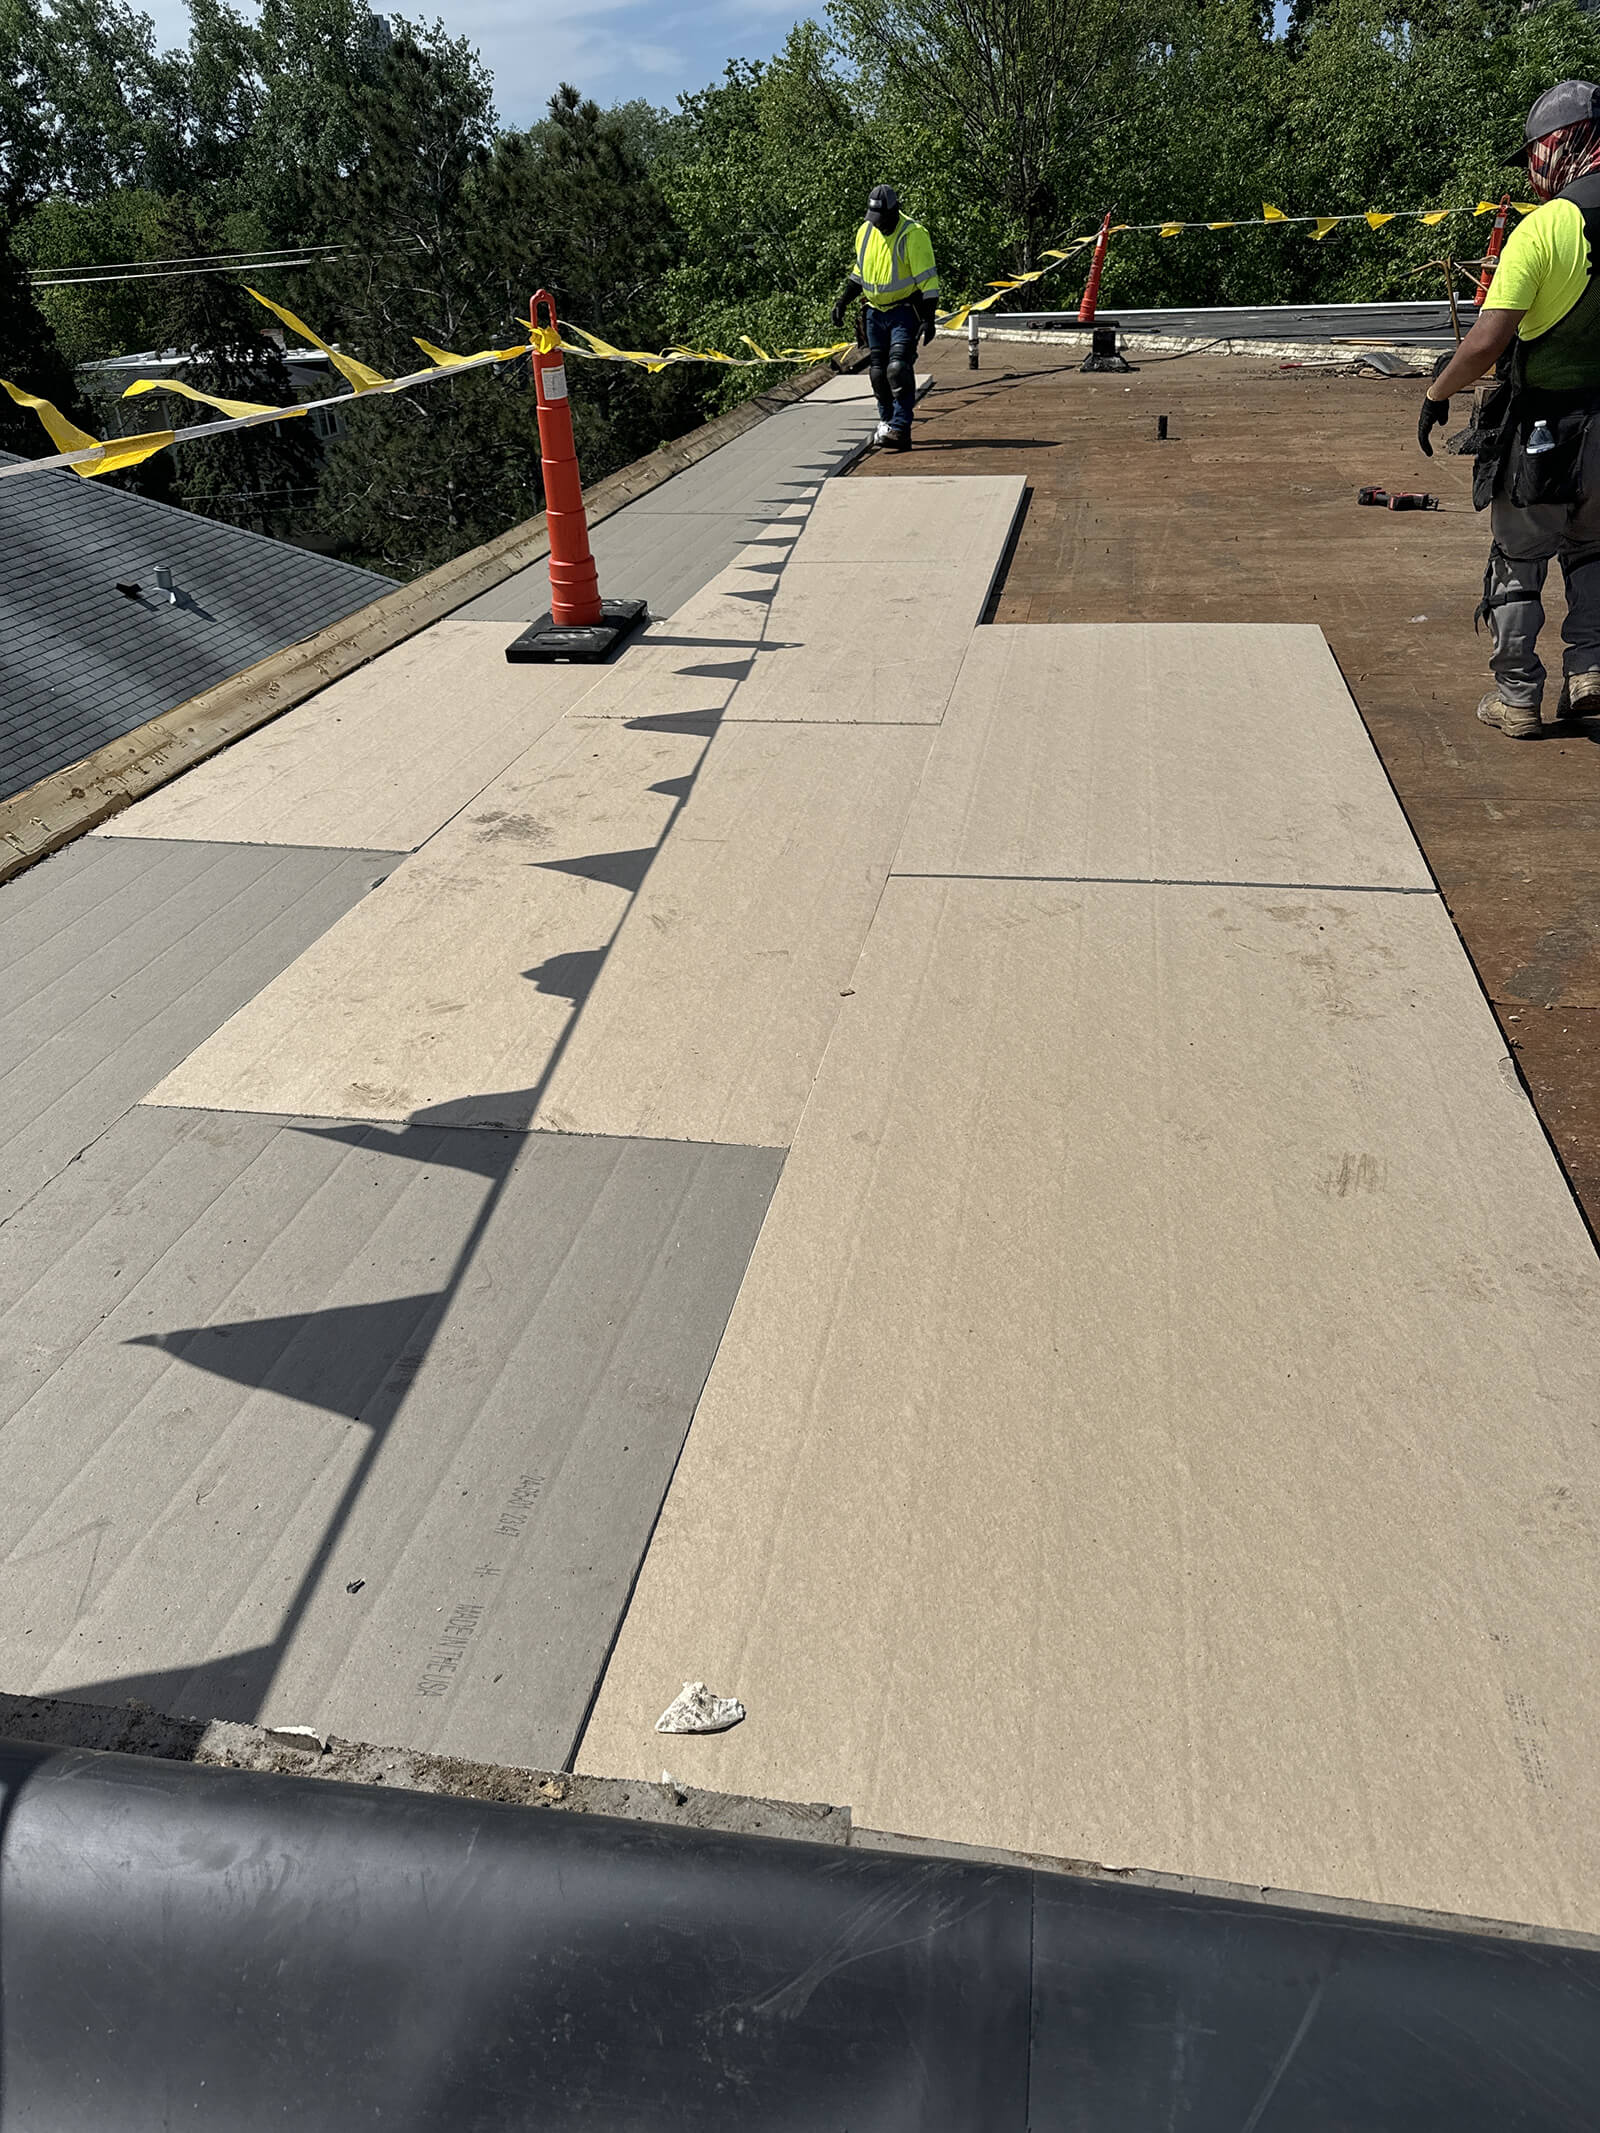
(609, 49)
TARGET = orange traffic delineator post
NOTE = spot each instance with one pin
(1491, 258)
(1091, 293)
(1104, 351)
(580, 625)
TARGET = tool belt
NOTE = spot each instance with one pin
(1503, 419)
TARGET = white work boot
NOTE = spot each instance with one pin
(1515, 721)
(884, 433)
(1580, 697)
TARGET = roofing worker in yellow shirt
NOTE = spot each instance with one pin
(894, 273)
(1538, 430)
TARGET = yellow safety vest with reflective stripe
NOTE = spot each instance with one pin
(891, 270)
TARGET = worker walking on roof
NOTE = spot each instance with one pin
(895, 275)
(1536, 430)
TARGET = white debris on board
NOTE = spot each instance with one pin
(698, 1711)
(298, 1737)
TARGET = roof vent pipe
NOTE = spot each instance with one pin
(164, 584)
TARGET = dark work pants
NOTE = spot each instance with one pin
(1526, 542)
(893, 337)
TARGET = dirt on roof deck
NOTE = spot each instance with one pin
(1247, 512)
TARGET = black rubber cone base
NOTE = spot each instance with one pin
(543, 644)
(1104, 354)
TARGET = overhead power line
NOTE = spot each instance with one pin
(260, 253)
(243, 266)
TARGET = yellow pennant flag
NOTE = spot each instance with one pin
(1436, 214)
(1376, 221)
(359, 375)
(442, 359)
(226, 407)
(1269, 213)
(604, 351)
(1172, 229)
(119, 452)
(678, 353)
(64, 435)
(115, 453)
(1524, 207)
(1325, 223)
(761, 353)
(1486, 207)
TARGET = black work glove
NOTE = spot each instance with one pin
(929, 330)
(1435, 414)
(838, 313)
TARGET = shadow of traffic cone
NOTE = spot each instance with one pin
(580, 626)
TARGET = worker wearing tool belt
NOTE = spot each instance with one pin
(895, 275)
(1536, 432)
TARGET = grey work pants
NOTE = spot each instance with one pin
(1526, 538)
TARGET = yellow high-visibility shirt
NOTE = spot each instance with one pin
(893, 269)
(1544, 268)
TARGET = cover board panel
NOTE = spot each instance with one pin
(121, 957)
(1171, 751)
(351, 1427)
(459, 980)
(715, 1005)
(384, 757)
(1157, 1426)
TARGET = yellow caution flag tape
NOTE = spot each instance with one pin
(364, 379)
(92, 455)
(442, 359)
(66, 436)
(240, 408)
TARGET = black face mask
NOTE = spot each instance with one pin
(883, 209)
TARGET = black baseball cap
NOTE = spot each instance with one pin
(1569, 103)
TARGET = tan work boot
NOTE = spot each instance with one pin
(1517, 723)
(1580, 697)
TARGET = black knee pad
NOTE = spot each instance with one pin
(878, 374)
(902, 374)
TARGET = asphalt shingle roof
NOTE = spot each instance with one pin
(82, 663)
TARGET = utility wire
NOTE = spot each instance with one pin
(185, 259)
(248, 266)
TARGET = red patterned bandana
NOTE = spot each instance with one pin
(1561, 159)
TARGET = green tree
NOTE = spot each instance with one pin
(264, 478)
(1018, 83)
(767, 175)
(29, 358)
(570, 206)
(320, 61)
(416, 479)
